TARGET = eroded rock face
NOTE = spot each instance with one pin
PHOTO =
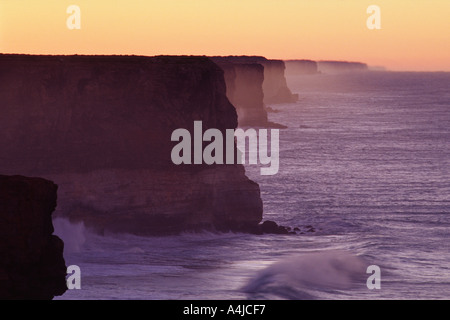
(335, 67)
(32, 265)
(101, 126)
(275, 87)
(244, 82)
(150, 202)
(300, 67)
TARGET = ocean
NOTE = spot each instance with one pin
(365, 176)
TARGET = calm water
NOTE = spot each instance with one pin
(365, 161)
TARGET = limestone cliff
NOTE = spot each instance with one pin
(100, 127)
(300, 67)
(334, 67)
(31, 258)
(244, 82)
(275, 87)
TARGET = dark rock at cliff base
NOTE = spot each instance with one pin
(101, 128)
(274, 125)
(32, 265)
(267, 227)
(273, 227)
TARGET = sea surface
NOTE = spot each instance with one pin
(364, 162)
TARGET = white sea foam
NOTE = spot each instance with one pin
(73, 234)
(295, 277)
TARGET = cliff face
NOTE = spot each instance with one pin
(300, 67)
(32, 264)
(334, 67)
(275, 88)
(275, 85)
(244, 82)
(101, 126)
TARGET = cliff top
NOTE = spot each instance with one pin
(244, 59)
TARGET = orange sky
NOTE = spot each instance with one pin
(415, 34)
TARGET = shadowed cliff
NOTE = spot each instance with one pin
(299, 67)
(274, 86)
(244, 82)
(100, 127)
(308, 67)
(334, 67)
(32, 265)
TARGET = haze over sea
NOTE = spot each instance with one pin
(365, 161)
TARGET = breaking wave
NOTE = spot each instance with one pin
(73, 234)
(308, 276)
